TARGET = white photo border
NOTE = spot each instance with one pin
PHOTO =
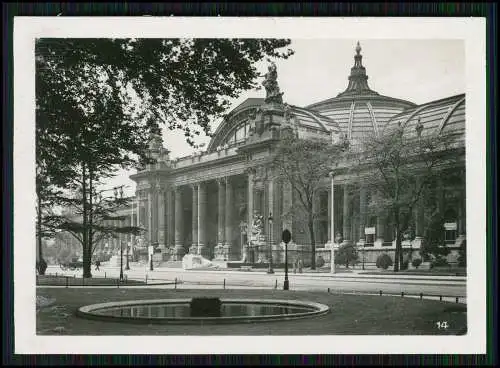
(27, 29)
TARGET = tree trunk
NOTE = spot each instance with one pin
(41, 262)
(87, 266)
(313, 242)
(401, 254)
(398, 255)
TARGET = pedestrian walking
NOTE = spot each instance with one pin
(97, 264)
(295, 266)
(300, 265)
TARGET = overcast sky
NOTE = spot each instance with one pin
(415, 70)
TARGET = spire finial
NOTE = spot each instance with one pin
(358, 48)
(358, 80)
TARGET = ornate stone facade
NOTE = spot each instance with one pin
(219, 203)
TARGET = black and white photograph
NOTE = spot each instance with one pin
(249, 185)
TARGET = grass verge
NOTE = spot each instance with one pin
(50, 280)
(349, 314)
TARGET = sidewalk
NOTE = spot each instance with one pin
(358, 274)
(307, 273)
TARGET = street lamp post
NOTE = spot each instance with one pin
(286, 236)
(332, 226)
(152, 251)
(121, 261)
(270, 270)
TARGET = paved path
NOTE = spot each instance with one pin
(451, 287)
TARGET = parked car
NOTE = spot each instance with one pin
(74, 264)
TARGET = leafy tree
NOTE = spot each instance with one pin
(462, 254)
(346, 254)
(305, 163)
(398, 169)
(182, 83)
(46, 224)
(86, 149)
(98, 101)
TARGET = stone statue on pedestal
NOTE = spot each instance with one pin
(219, 253)
(270, 83)
(257, 226)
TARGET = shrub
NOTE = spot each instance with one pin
(320, 262)
(347, 254)
(416, 262)
(41, 267)
(439, 262)
(384, 261)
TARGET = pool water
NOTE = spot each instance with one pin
(183, 310)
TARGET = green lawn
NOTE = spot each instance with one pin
(349, 314)
(50, 280)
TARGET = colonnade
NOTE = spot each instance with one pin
(213, 220)
(161, 211)
(350, 221)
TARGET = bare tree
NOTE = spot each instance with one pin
(305, 164)
(399, 169)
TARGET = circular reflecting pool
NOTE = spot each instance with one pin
(180, 311)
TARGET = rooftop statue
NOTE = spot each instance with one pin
(270, 83)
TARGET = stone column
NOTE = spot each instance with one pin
(137, 208)
(132, 219)
(330, 214)
(250, 206)
(275, 198)
(143, 208)
(128, 223)
(194, 219)
(419, 219)
(263, 203)
(380, 230)
(362, 213)
(316, 210)
(287, 205)
(258, 195)
(277, 215)
(155, 205)
(250, 199)
(270, 209)
(161, 218)
(346, 228)
(171, 218)
(262, 198)
(229, 221)
(202, 219)
(265, 206)
(179, 226)
(221, 218)
(150, 217)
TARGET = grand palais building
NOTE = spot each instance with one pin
(206, 203)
